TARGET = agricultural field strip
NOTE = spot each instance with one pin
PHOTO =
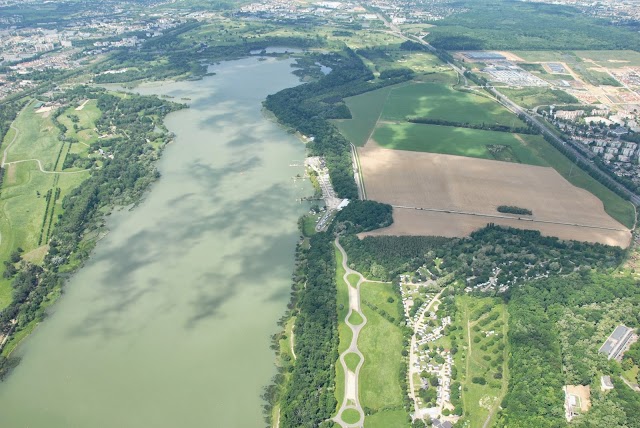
(507, 217)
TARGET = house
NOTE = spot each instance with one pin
(605, 383)
(618, 342)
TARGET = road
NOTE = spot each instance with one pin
(535, 121)
(351, 397)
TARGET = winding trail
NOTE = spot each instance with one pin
(6, 151)
(351, 399)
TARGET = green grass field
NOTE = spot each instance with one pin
(534, 97)
(350, 416)
(365, 110)
(453, 141)
(434, 99)
(387, 419)
(355, 318)
(485, 358)
(22, 199)
(381, 343)
(352, 361)
(437, 101)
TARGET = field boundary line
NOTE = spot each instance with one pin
(499, 216)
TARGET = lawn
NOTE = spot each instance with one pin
(387, 419)
(381, 343)
(355, 318)
(486, 358)
(352, 361)
(350, 416)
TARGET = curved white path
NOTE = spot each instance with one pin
(351, 399)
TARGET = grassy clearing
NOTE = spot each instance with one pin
(381, 343)
(37, 139)
(483, 364)
(350, 416)
(352, 360)
(534, 97)
(387, 419)
(437, 101)
(344, 332)
(353, 279)
(26, 212)
(613, 59)
(355, 318)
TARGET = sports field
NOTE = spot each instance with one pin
(479, 186)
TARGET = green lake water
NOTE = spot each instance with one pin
(169, 322)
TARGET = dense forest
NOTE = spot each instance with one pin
(360, 216)
(509, 25)
(556, 327)
(307, 108)
(516, 254)
(121, 180)
(307, 399)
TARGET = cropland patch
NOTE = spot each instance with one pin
(464, 194)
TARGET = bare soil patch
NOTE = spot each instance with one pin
(477, 187)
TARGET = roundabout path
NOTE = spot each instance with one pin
(351, 400)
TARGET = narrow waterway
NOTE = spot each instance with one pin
(169, 323)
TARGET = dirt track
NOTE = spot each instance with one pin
(426, 180)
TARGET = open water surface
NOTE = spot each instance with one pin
(169, 322)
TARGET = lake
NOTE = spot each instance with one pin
(169, 322)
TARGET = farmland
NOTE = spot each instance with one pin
(434, 99)
(380, 119)
(438, 101)
(477, 187)
(454, 141)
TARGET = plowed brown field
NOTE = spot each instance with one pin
(475, 188)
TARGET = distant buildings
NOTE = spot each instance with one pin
(618, 342)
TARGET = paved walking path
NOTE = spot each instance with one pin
(351, 399)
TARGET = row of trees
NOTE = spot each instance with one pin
(483, 126)
(307, 108)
